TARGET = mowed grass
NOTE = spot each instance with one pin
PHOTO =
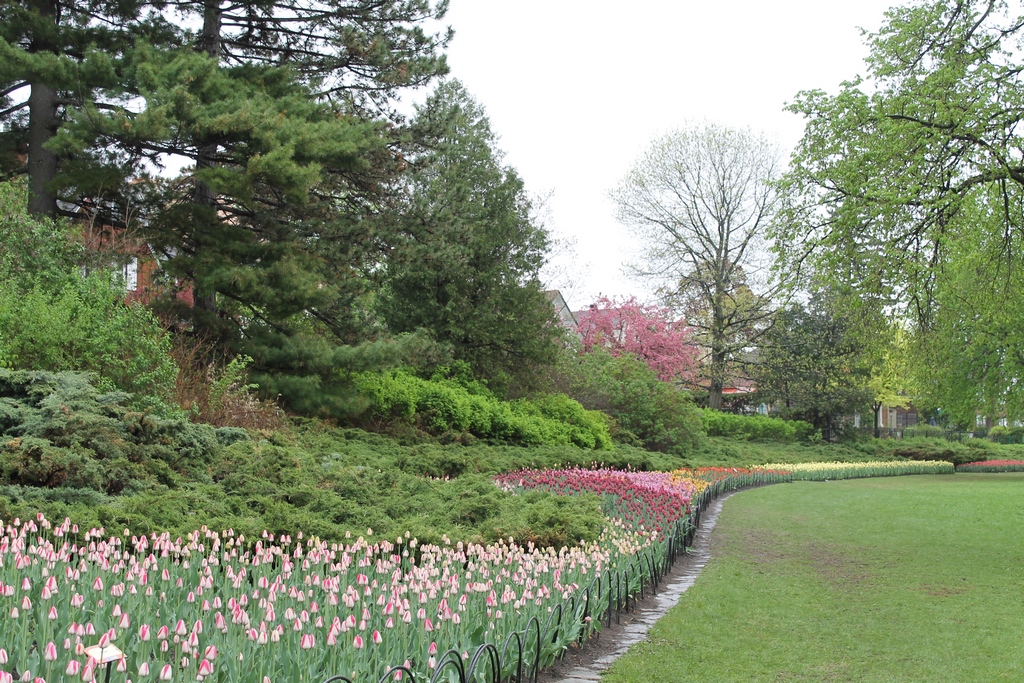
(894, 579)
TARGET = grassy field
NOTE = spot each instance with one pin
(895, 579)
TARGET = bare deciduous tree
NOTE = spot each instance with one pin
(700, 200)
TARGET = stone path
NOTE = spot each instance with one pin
(667, 596)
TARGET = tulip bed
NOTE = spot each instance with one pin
(992, 466)
(218, 607)
(820, 471)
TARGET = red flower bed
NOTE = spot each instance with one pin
(640, 499)
(992, 466)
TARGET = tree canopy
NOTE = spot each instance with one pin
(701, 200)
(466, 265)
(913, 189)
(646, 331)
(812, 364)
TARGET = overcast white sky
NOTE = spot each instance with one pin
(576, 89)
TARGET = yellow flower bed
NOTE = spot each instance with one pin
(819, 471)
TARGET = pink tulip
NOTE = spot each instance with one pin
(211, 652)
(377, 638)
(50, 652)
(307, 642)
(144, 633)
(166, 673)
(73, 667)
(357, 642)
(144, 669)
(205, 668)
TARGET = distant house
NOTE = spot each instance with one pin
(897, 417)
(137, 262)
(566, 317)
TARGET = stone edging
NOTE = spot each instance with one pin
(612, 643)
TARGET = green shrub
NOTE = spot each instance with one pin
(86, 326)
(54, 319)
(1006, 435)
(935, 449)
(759, 427)
(647, 411)
(59, 429)
(440, 405)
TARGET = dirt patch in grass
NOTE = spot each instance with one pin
(943, 590)
(761, 546)
(836, 568)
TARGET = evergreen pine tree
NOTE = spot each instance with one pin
(467, 266)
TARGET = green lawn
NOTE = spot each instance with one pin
(894, 579)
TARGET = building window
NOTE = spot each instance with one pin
(131, 274)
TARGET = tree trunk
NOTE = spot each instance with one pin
(42, 127)
(204, 296)
(718, 355)
(876, 408)
(718, 361)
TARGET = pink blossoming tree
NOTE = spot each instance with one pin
(647, 331)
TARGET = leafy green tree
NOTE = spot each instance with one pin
(969, 356)
(913, 189)
(888, 162)
(812, 364)
(701, 200)
(466, 268)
